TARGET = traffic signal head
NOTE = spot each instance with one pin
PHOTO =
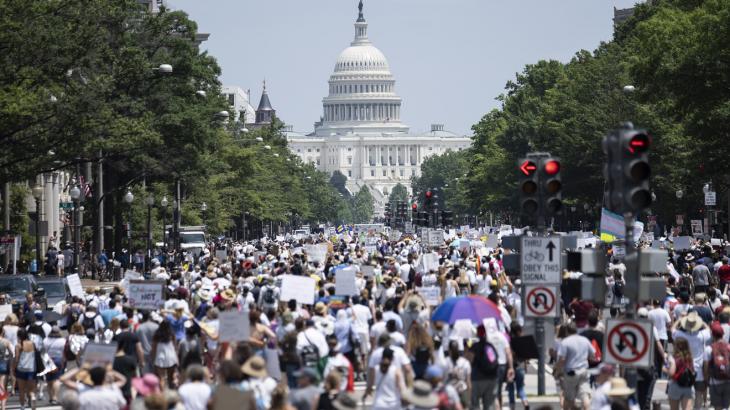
(528, 187)
(551, 185)
(634, 146)
(429, 194)
(447, 218)
(414, 207)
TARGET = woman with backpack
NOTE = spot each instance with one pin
(680, 369)
(419, 347)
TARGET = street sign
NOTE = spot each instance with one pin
(628, 342)
(541, 260)
(696, 225)
(541, 301)
(711, 198)
(66, 205)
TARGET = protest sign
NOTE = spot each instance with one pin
(492, 241)
(74, 285)
(99, 354)
(316, 253)
(5, 310)
(682, 243)
(233, 326)
(221, 254)
(272, 363)
(345, 282)
(146, 294)
(299, 288)
(367, 271)
(431, 294)
(696, 225)
(430, 261)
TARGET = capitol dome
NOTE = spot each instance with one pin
(362, 58)
(361, 91)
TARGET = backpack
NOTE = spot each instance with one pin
(720, 363)
(685, 375)
(597, 348)
(269, 298)
(89, 322)
(488, 362)
(310, 354)
(444, 401)
(618, 289)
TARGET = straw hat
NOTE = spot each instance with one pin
(619, 388)
(422, 395)
(691, 323)
(255, 366)
(320, 308)
(228, 295)
(146, 385)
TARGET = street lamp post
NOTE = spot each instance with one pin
(163, 204)
(203, 209)
(679, 194)
(128, 198)
(37, 194)
(148, 256)
(76, 197)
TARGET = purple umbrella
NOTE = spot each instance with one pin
(472, 307)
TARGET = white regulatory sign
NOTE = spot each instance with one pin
(541, 260)
(628, 342)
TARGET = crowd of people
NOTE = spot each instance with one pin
(312, 356)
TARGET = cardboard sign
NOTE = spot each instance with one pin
(492, 241)
(5, 310)
(74, 285)
(233, 326)
(345, 282)
(146, 294)
(299, 288)
(99, 354)
(316, 253)
(431, 294)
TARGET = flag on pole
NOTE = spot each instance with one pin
(85, 188)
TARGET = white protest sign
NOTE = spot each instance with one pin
(431, 294)
(146, 294)
(345, 282)
(430, 261)
(233, 326)
(435, 237)
(394, 236)
(74, 285)
(221, 254)
(682, 243)
(541, 260)
(99, 354)
(492, 241)
(316, 253)
(299, 288)
(5, 310)
(367, 271)
(619, 251)
(716, 242)
(696, 225)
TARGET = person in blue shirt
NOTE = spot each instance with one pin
(177, 320)
(108, 314)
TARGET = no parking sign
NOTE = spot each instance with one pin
(541, 301)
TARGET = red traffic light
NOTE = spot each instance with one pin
(429, 194)
(639, 143)
(414, 206)
(552, 167)
(528, 167)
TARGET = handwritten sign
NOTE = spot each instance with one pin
(74, 285)
(145, 294)
(430, 261)
(682, 243)
(299, 288)
(367, 271)
(316, 253)
(345, 282)
(99, 354)
(234, 326)
(5, 310)
(432, 295)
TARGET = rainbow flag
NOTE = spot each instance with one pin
(612, 226)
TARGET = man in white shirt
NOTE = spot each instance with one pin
(661, 320)
(310, 336)
(102, 396)
(195, 393)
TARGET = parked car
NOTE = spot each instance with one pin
(56, 290)
(17, 286)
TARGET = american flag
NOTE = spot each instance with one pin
(85, 188)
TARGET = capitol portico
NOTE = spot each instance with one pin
(360, 132)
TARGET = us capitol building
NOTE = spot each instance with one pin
(361, 134)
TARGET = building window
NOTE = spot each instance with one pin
(430, 148)
(309, 150)
(401, 172)
(298, 150)
(317, 161)
(350, 149)
(413, 172)
(372, 172)
(384, 173)
(349, 160)
(349, 174)
(317, 149)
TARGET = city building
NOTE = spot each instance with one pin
(265, 113)
(360, 132)
(239, 100)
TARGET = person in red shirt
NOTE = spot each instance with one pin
(723, 272)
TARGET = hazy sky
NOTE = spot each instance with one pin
(450, 58)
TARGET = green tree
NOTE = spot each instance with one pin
(362, 206)
(339, 180)
(446, 173)
(399, 193)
